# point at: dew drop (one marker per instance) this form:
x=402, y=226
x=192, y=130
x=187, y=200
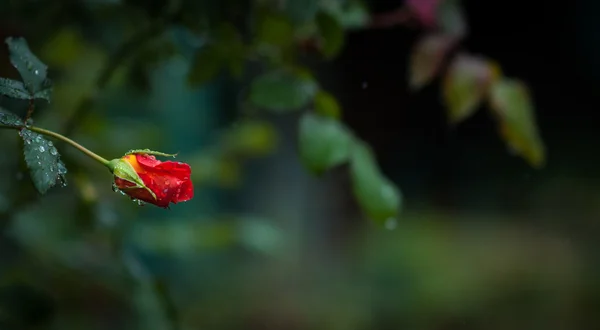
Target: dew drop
x=28, y=141
x=53, y=151
x=42, y=149
x=114, y=187
x=165, y=191
x=36, y=72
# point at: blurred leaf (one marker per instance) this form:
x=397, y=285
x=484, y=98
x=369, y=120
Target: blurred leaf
x=378, y=197
x=8, y=118
x=231, y=48
x=14, y=89
x=275, y=30
x=301, y=11
x=425, y=11
x=323, y=142
x=206, y=65
x=63, y=48
x=282, y=90
x=427, y=58
x=512, y=104
x=451, y=18
x=229, y=173
x=351, y=14
x=251, y=137
x=327, y=105
x=332, y=34
x=32, y=70
x=43, y=161
x=227, y=50
x=466, y=84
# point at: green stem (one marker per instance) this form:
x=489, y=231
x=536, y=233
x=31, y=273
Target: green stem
x=63, y=138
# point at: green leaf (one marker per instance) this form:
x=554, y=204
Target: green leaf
x=43, y=161
x=352, y=14
x=231, y=48
x=427, y=58
x=14, y=89
x=275, y=30
x=324, y=142
x=451, y=18
x=332, y=34
x=301, y=11
x=326, y=105
x=512, y=105
x=206, y=65
x=282, y=90
x=8, y=118
x=32, y=70
x=379, y=198
x=466, y=83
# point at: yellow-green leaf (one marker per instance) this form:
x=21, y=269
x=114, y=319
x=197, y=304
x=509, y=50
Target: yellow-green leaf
x=331, y=33
x=466, y=84
x=326, y=105
x=511, y=102
x=275, y=30
x=427, y=57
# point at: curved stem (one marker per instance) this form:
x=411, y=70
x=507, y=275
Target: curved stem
x=63, y=138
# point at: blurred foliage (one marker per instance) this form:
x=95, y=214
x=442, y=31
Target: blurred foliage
x=81, y=258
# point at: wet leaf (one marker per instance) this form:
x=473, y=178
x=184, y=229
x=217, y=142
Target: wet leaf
x=282, y=90
x=206, y=66
x=378, y=197
x=323, y=142
x=326, y=105
x=14, y=89
x=427, y=58
x=332, y=34
x=8, y=118
x=466, y=84
x=43, y=161
x=32, y=70
x=511, y=102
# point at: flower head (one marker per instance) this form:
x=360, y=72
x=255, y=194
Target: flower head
x=141, y=176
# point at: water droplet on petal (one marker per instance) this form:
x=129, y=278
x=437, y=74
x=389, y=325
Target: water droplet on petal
x=42, y=149
x=167, y=182
x=165, y=191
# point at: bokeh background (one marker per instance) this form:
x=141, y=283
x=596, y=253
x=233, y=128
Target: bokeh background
x=483, y=241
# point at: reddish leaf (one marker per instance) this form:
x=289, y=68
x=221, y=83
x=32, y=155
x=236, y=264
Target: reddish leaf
x=425, y=11
x=466, y=84
x=511, y=102
x=427, y=58
x=444, y=15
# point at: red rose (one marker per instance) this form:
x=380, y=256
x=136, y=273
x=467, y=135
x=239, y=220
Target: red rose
x=143, y=177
